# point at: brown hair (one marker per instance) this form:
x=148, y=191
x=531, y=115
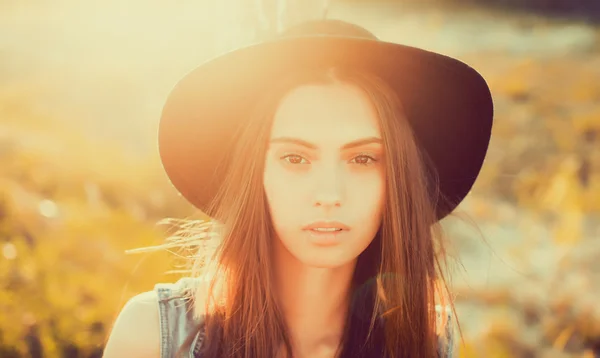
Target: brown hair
x=397, y=280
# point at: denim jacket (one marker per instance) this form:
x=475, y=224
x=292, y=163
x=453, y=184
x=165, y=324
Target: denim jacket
x=177, y=321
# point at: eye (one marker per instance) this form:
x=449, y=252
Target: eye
x=363, y=159
x=294, y=159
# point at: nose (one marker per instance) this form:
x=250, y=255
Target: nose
x=329, y=188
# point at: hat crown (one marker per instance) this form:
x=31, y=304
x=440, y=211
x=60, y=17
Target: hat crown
x=328, y=27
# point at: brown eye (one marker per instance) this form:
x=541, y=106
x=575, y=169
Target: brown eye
x=363, y=160
x=294, y=159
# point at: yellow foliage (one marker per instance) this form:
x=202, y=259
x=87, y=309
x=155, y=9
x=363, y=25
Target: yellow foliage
x=64, y=271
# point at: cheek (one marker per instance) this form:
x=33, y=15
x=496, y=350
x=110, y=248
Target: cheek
x=367, y=186
x=367, y=197
x=280, y=197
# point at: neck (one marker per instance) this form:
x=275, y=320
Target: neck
x=314, y=302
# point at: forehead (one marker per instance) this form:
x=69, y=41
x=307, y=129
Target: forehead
x=326, y=114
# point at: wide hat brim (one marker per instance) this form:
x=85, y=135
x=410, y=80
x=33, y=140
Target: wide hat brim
x=448, y=104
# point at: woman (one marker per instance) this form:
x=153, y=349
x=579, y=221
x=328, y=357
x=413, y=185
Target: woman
x=326, y=159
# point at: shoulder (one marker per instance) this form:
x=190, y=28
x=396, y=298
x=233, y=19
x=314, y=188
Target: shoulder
x=136, y=331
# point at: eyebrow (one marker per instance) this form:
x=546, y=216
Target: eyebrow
x=353, y=144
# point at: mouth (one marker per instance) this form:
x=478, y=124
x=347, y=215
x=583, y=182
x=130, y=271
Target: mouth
x=326, y=227
x=326, y=233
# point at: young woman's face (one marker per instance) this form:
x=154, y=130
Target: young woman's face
x=324, y=174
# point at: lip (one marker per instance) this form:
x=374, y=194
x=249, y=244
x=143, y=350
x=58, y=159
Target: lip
x=327, y=224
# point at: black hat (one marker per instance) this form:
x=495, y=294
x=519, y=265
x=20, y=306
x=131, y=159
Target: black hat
x=447, y=103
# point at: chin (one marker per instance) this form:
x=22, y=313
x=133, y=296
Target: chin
x=326, y=260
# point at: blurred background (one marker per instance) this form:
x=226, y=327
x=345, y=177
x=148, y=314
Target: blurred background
x=81, y=88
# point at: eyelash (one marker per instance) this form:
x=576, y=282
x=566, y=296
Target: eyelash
x=369, y=157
